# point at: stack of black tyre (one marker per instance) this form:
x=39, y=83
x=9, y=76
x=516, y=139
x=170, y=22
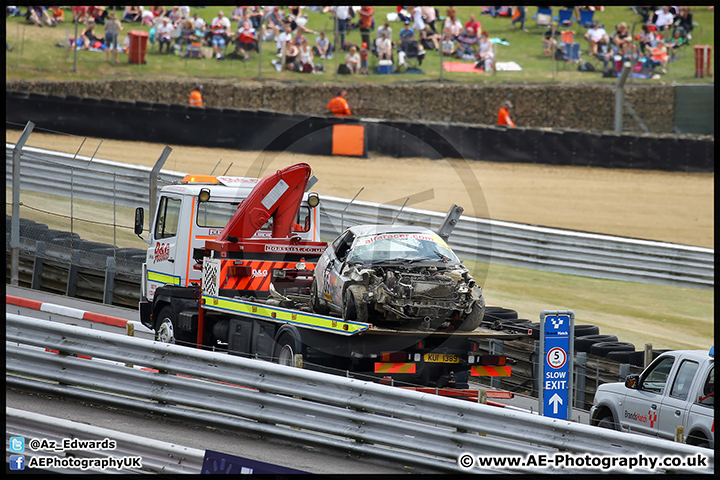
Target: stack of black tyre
x=587, y=337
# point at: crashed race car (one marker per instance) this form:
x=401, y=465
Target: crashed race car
x=397, y=277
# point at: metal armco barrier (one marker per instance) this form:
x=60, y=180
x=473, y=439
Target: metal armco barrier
x=295, y=404
x=527, y=246
x=157, y=456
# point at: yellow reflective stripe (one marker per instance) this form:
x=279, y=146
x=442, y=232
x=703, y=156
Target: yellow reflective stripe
x=318, y=322
x=162, y=278
x=490, y=371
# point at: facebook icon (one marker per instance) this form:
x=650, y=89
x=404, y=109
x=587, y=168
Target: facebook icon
x=17, y=462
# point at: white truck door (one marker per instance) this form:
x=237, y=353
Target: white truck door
x=674, y=409
x=642, y=406
x=162, y=269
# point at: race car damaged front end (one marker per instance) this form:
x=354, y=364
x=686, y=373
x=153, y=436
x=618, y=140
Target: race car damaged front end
x=420, y=297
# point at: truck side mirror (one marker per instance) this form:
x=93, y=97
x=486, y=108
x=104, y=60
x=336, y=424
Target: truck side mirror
x=631, y=381
x=139, y=220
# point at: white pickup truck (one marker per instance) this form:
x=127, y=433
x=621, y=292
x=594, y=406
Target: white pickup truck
x=676, y=390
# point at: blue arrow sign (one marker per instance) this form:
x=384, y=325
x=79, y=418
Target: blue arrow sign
x=556, y=330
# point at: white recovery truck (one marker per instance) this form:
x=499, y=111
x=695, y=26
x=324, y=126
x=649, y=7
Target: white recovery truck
x=230, y=265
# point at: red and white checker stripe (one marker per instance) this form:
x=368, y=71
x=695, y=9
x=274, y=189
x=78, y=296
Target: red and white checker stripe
x=73, y=313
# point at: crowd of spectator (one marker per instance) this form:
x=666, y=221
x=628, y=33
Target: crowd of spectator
x=662, y=32
x=422, y=29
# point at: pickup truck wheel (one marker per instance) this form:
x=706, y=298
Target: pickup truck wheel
x=607, y=422
x=353, y=307
x=473, y=319
x=316, y=304
x=166, y=330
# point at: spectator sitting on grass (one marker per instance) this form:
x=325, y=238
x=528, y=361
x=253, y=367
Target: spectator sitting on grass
x=158, y=11
x=646, y=39
x=132, y=14
x=254, y=15
x=305, y=56
x=383, y=45
x=291, y=54
x=485, y=52
x=238, y=15
x=659, y=56
x=429, y=39
x=247, y=40
x=352, y=60
x=474, y=24
x=163, y=35
x=550, y=42
x=620, y=36
x=663, y=18
x=430, y=17
x=88, y=38
x=385, y=28
x=604, y=51
x=594, y=34
x=39, y=16
x=323, y=47
x=283, y=38
x=448, y=46
x=188, y=33
x=220, y=27
x=271, y=28
x=467, y=42
x=405, y=35
x=98, y=14
x=175, y=16
x=57, y=15
x=199, y=24
x=147, y=17
x=454, y=25
x=684, y=22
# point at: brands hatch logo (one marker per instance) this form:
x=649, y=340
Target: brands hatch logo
x=556, y=322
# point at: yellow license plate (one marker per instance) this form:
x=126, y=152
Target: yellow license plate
x=441, y=358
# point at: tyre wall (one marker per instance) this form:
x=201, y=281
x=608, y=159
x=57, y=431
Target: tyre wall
x=257, y=130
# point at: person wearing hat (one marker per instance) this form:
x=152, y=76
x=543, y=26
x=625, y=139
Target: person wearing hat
x=364, y=53
x=339, y=105
x=504, y=114
x=196, y=99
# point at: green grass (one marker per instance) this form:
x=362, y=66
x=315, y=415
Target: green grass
x=665, y=316
x=35, y=56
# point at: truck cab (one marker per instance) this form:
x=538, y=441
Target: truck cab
x=673, y=398
x=196, y=210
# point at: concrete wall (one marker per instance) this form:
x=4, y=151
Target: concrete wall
x=584, y=107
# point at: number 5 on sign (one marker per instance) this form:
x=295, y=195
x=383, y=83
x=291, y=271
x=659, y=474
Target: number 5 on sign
x=556, y=344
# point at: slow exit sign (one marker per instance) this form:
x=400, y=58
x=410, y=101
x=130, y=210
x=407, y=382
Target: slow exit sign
x=556, y=346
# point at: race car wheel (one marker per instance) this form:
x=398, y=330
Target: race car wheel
x=474, y=318
x=316, y=304
x=353, y=307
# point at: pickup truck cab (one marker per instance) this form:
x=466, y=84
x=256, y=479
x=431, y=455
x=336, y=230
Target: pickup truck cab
x=676, y=390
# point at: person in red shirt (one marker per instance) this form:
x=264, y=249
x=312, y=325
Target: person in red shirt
x=504, y=115
x=339, y=105
x=474, y=24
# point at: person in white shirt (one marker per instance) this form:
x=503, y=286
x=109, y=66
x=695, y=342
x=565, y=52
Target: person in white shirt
x=283, y=38
x=342, y=14
x=162, y=34
x=220, y=28
x=352, y=60
x=594, y=35
x=384, y=47
x=418, y=22
x=322, y=48
x=199, y=23
x=664, y=18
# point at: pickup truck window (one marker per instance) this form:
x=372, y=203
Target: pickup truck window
x=657, y=377
x=708, y=391
x=683, y=380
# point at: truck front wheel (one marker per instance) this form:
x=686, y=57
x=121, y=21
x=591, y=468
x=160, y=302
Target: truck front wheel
x=607, y=422
x=166, y=330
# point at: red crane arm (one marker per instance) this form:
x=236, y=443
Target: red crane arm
x=278, y=196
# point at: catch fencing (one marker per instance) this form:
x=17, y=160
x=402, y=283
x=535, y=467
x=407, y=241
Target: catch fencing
x=300, y=406
x=62, y=178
